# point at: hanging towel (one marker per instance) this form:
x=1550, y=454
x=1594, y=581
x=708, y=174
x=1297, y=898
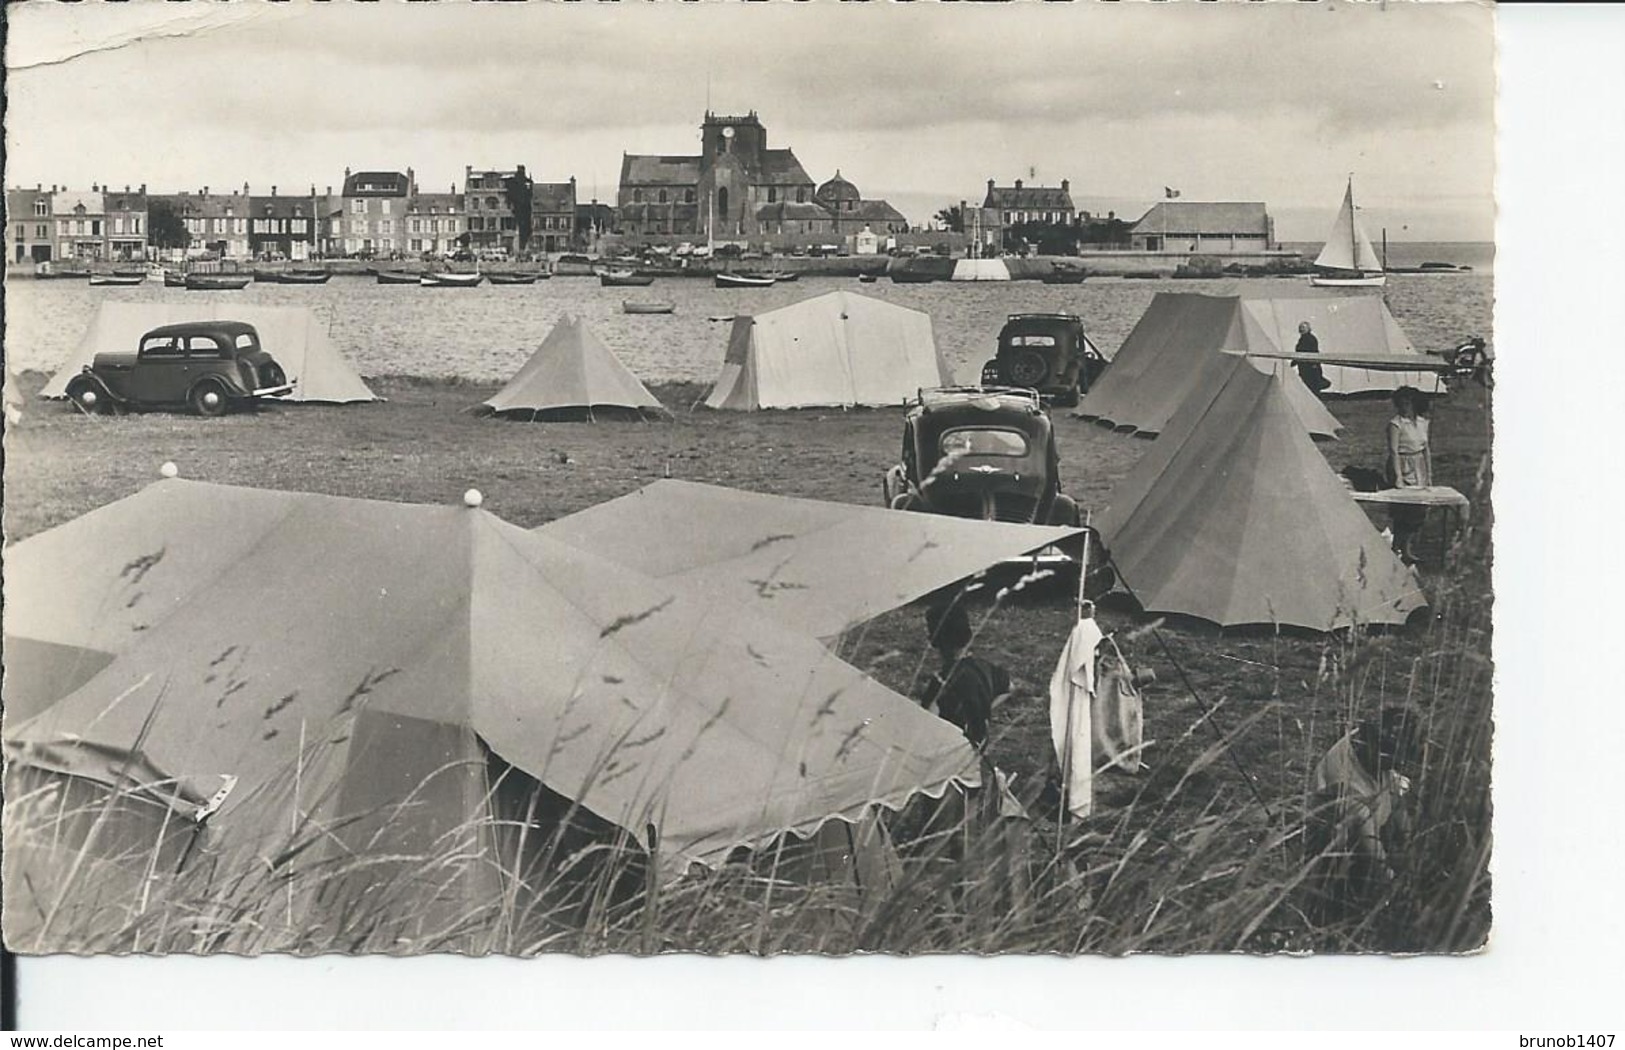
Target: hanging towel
x=1072, y=686
x=1117, y=714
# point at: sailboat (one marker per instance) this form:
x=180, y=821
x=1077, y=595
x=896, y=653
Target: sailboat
x=1348, y=260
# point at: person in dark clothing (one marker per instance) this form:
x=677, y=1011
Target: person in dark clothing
x=965, y=688
x=1311, y=375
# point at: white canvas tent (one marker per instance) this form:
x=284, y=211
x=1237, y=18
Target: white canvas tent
x=572, y=372
x=1343, y=325
x=294, y=335
x=833, y=349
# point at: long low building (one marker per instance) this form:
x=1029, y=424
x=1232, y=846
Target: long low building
x=1211, y=227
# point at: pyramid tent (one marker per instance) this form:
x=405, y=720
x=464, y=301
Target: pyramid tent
x=1234, y=516
x=374, y=659
x=833, y=349
x=817, y=567
x=294, y=335
x=1163, y=360
x=572, y=372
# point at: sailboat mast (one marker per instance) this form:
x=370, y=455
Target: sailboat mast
x=1354, y=228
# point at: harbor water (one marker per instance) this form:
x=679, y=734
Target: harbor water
x=484, y=334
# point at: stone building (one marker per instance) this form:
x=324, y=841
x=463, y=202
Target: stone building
x=1007, y=206
x=491, y=221
x=30, y=229
x=81, y=224
x=850, y=212
x=216, y=223
x=436, y=223
x=126, y=223
x=553, y=216
x=283, y=226
x=374, y=204
x=1204, y=227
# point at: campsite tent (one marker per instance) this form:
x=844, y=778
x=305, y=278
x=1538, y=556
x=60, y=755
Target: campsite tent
x=294, y=335
x=358, y=667
x=1151, y=373
x=1170, y=353
x=815, y=566
x=13, y=397
x=981, y=270
x=833, y=349
x=1234, y=516
x=571, y=374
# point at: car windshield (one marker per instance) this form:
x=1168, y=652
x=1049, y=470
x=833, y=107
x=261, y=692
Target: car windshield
x=1032, y=340
x=980, y=442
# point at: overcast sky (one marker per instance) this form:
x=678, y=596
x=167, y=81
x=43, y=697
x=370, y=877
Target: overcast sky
x=920, y=103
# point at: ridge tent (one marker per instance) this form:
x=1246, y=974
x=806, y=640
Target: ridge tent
x=1170, y=353
x=1234, y=516
x=356, y=668
x=817, y=567
x=833, y=349
x=1354, y=325
x=294, y=335
x=571, y=374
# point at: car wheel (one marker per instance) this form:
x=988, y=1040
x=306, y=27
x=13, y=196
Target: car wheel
x=89, y=397
x=209, y=398
x=1028, y=369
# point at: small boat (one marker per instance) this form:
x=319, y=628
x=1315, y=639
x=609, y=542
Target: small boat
x=216, y=282
x=1348, y=260
x=303, y=277
x=1065, y=275
x=783, y=276
x=267, y=276
x=624, y=279
x=117, y=279
x=868, y=278
x=451, y=280
x=630, y=306
x=742, y=280
x=912, y=276
x=395, y=277
x=513, y=278
x=174, y=279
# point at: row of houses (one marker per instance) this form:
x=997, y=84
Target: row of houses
x=376, y=213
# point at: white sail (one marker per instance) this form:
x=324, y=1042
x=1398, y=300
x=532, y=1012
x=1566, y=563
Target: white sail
x=1347, y=246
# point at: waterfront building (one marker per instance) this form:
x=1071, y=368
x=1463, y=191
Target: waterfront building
x=729, y=191
x=849, y=212
x=30, y=229
x=553, y=216
x=374, y=205
x=1204, y=227
x=216, y=223
x=126, y=223
x=1006, y=206
x=283, y=227
x=491, y=221
x=436, y=223
x=81, y=224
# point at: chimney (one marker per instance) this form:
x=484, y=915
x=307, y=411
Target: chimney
x=205, y=191
x=143, y=187
x=126, y=187
x=95, y=188
x=330, y=191
x=273, y=189
x=1066, y=185
x=990, y=187
x=411, y=183
x=346, y=171
x=245, y=189
x=1018, y=184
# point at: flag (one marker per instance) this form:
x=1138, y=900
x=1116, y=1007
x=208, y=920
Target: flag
x=1169, y=192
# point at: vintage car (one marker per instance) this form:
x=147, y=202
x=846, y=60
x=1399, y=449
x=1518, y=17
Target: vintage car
x=989, y=453
x=1048, y=353
x=209, y=367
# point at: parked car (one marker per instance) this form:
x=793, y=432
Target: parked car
x=990, y=453
x=1049, y=353
x=209, y=367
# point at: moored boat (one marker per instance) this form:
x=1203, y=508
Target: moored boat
x=630, y=306
x=395, y=277
x=216, y=282
x=1065, y=275
x=513, y=278
x=451, y=280
x=117, y=279
x=742, y=280
x=303, y=277
x=624, y=279
x=174, y=279
x=783, y=276
x=868, y=278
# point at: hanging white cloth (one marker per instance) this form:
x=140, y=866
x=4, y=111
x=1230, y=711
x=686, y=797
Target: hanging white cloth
x=1118, y=715
x=1071, y=692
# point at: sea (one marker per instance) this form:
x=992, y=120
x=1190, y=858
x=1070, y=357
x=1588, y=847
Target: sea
x=484, y=334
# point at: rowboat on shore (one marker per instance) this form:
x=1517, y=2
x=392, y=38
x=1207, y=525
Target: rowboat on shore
x=303, y=277
x=451, y=280
x=630, y=306
x=117, y=279
x=1065, y=275
x=624, y=279
x=741, y=280
x=215, y=282
x=395, y=277
x=174, y=279
x=783, y=276
x=513, y=278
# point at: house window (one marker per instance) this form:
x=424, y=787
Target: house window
x=637, y=196
x=662, y=196
x=772, y=195
x=358, y=207
x=801, y=195
x=384, y=205
x=491, y=203
x=688, y=196
x=42, y=207
x=417, y=227
x=135, y=224
x=42, y=231
x=95, y=227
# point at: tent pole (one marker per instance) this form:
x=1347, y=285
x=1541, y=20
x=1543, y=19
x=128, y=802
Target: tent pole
x=1066, y=741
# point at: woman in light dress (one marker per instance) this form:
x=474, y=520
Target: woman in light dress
x=1410, y=464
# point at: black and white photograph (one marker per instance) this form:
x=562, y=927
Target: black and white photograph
x=749, y=479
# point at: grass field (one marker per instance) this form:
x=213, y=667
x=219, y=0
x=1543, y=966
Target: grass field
x=1200, y=853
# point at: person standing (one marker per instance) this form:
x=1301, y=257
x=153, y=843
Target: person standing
x=1410, y=464
x=1312, y=376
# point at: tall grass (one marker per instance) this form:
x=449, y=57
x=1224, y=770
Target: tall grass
x=1204, y=852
